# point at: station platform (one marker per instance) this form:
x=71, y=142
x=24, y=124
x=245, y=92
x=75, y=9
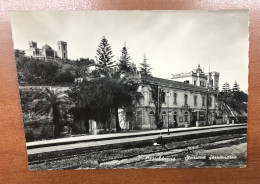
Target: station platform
x=73, y=145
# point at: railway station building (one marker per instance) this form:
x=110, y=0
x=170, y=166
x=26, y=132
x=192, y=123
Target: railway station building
x=188, y=99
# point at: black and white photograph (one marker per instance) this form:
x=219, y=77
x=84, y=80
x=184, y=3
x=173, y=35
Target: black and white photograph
x=133, y=89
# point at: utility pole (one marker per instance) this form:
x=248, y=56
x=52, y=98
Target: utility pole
x=207, y=107
x=158, y=113
x=168, y=96
x=158, y=103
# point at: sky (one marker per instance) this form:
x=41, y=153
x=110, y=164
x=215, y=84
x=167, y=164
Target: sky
x=173, y=41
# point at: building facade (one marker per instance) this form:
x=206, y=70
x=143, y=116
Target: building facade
x=198, y=78
x=183, y=103
x=46, y=51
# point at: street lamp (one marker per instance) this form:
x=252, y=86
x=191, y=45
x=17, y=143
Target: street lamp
x=168, y=94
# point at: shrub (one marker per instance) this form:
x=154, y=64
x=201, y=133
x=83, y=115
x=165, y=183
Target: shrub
x=45, y=134
x=29, y=136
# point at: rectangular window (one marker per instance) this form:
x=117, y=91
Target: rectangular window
x=150, y=96
x=195, y=100
x=185, y=99
x=203, y=101
x=163, y=97
x=210, y=101
x=175, y=98
x=195, y=82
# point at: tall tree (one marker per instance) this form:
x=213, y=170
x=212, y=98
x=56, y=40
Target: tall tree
x=235, y=87
x=226, y=87
x=93, y=101
x=52, y=103
x=83, y=66
x=124, y=61
x=157, y=96
x=97, y=98
x=145, y=68
x=104, y=55
x=125, y=94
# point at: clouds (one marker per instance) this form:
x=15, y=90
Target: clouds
x=174, y=41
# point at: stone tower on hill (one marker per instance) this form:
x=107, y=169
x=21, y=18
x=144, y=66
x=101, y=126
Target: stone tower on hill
x=62, y=50
x=46, y=51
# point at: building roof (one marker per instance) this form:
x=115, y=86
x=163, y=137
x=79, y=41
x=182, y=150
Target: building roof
x=175, y=84
x=198, y=70
x=62, y=42
x=47, y=47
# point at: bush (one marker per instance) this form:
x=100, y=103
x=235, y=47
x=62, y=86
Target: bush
x=29, y=136
x=45, y=134
x=32, y=71
x=75, y=129
x=41, y=132
x=65, y=77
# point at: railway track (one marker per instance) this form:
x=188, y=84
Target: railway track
x=164, y=150
x=168, y=153
x=39, y=155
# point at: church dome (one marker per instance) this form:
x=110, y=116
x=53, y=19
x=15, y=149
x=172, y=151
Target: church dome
x=198, y=70
x=46, y=47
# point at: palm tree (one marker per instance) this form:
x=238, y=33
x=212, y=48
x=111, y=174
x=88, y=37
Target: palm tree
x=54, y=102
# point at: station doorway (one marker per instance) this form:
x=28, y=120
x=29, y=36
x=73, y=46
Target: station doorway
x=193, y=119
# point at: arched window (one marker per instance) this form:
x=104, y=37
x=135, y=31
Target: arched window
x=164, y=113
x=203, y=101
x=174, y=98
x=210, y=101
x=175, y=113
x=150, y=96
x=195, y=100
x=185, y=99
x=151, y=113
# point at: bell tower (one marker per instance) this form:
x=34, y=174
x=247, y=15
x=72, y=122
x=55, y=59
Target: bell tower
x=32, y=45
x=215, y=79
x=62, y=50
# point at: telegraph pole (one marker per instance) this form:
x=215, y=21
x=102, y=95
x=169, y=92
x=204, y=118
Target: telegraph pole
x=158, y=113
x=207, y=107
x=168, y=95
